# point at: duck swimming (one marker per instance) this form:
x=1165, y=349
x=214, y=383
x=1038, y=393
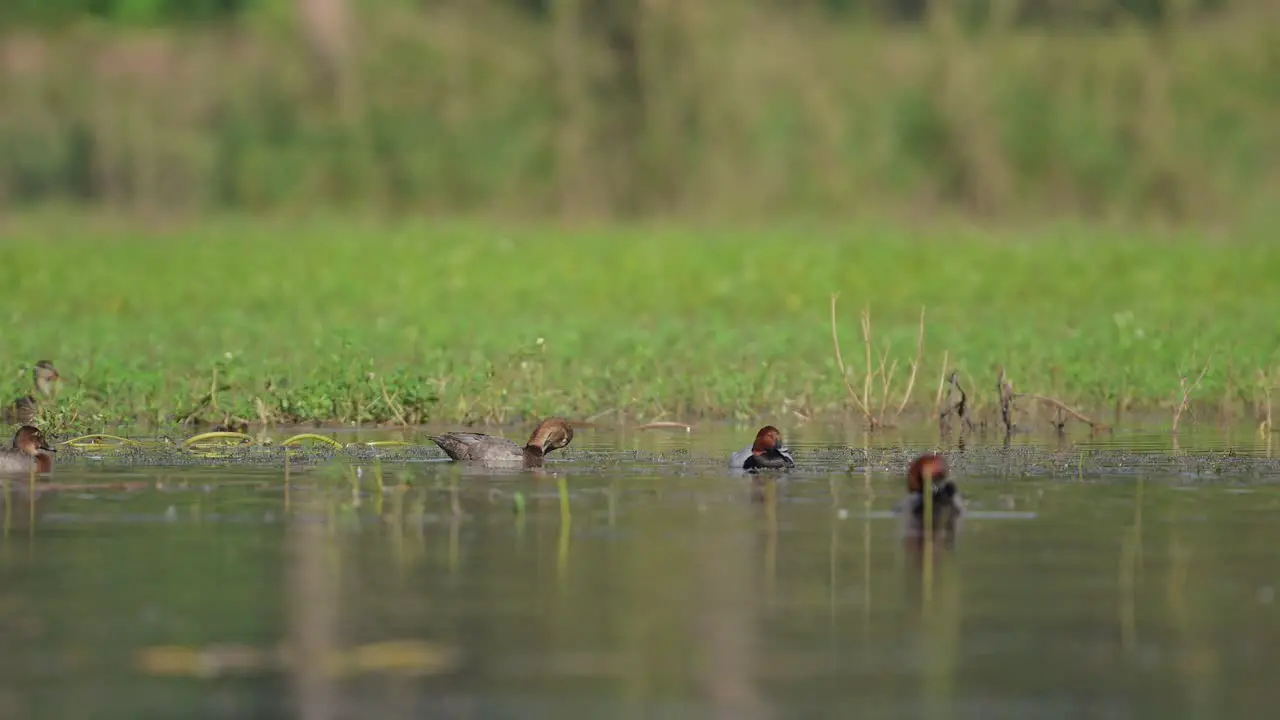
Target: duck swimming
x=29, y=451
x=551, y=434
x=767, y=452
x=931, y=468
x=44, y=376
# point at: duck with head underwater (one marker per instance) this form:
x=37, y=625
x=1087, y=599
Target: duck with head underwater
x=494, y=452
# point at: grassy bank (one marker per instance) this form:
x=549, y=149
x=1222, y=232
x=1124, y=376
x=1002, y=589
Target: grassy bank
x=676, y=109
x=481, y=323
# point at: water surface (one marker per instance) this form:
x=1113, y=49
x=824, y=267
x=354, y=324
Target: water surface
x=1099, y=577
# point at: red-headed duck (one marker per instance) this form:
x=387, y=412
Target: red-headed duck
x=44, y=376
x=767, y=452
x=931, y=469
x=29, y=450
x=551, y=434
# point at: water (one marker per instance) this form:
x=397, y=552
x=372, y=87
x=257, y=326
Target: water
x=1101, y=577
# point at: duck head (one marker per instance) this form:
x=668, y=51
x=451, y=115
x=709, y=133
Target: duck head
x=551, y=434
x=45, y=376
x=30, y=441
x=930, y=469
x=769, y=442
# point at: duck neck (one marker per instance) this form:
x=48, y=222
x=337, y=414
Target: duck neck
x=43, y=462
x=533, y=456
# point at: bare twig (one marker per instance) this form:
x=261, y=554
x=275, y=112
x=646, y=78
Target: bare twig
x=1005, y=389
x=886, y=382
x=1186, y=396
x=1063, y=407
x=263, y=416
x=942, y=382
x=876, y=365
x=600, y=414
x=844, y=375
x=665, y=424
x=1264, y=383
x=391, y=403
x=954, y=405
x=915, y=366
x=866, y=380
x=204, y=402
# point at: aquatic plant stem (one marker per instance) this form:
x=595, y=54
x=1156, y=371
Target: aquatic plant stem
x=566, y=523
x=927, y=541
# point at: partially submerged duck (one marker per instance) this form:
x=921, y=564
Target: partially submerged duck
x=44, y=376
x=927, y=484
x=490, y=451
x=767, y=452
x=29, y=451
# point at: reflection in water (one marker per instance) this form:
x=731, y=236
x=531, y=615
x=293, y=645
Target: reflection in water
x=607, y=588
x=727, y=614
x=313, y=613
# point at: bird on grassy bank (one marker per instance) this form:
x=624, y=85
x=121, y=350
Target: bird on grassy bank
x=44, y=376
x=931, y=469
x=551, y=434
x=29, y=451
x=766, y=453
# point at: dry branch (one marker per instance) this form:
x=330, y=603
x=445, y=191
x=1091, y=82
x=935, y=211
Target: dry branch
x=1005, y=389
x=942, y=382
x=866, y=379
x=665, y=424
x=844, y=374
x=873, y=409
x=391, y=404
x=1186, y=396
x=915, y=367
x=1059, y=405
x=954, y=406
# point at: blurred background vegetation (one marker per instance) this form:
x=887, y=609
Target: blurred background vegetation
x=617, y=109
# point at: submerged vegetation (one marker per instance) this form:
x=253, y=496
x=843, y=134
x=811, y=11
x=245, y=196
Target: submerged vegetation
x=364, y=322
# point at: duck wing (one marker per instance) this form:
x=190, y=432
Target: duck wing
x=472, y=446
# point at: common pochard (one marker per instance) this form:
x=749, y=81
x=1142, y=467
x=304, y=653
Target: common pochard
x=767, y=452
x=930, y=471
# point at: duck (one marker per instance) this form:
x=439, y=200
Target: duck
x=44, y=376
x=29, y=451
x=551, y=434
x=943, y=495
x=766, y=453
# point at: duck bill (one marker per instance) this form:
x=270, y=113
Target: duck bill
x=45, y=446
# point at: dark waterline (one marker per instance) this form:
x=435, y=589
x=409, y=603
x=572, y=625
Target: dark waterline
x=1107, y=577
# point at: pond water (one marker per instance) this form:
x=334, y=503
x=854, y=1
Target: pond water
x=1099, y=577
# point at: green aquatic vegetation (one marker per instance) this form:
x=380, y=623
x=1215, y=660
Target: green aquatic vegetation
x=352, y=321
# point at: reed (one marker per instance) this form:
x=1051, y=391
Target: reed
x=726, y=108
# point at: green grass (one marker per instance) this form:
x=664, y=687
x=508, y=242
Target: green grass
x=306, y=321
